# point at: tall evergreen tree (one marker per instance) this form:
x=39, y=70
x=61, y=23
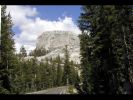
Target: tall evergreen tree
x=73, y=74
x=66, y=71
x=59, y=72
x=122, y=42
x=23, y=52
x=100, y=60
x=7, y=49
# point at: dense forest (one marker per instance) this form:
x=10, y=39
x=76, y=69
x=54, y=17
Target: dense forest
x=19, y=76
x=106, y=49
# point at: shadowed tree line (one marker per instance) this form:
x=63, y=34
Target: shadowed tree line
x=106, y=48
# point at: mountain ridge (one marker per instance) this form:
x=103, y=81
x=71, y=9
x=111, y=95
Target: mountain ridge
x=55, y=42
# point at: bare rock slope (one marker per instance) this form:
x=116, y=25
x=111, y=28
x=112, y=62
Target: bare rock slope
x=55, y=41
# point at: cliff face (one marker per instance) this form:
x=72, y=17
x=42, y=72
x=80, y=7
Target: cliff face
x=55, y=41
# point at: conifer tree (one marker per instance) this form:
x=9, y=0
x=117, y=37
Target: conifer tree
x=23, y=52
x=122, y=42
x=59, y=72
x=101, y=57
x=66, y=71
x=7, y=50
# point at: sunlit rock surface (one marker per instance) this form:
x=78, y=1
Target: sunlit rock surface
x=55, y=41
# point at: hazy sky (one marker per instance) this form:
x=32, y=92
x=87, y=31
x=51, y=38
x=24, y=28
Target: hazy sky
x=31, y=21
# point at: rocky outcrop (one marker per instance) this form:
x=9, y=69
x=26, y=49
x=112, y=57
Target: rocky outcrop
x=55, y=41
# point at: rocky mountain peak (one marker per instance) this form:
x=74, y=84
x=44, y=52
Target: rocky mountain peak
x=55, y=41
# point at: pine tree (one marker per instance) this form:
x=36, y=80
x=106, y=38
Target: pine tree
x=59, y=72
x=38, y=52
x=23, y=51
x=34, y=72
x=122, y=42
x=73, y=74
x=66, y=71
x=7, y=49
x=48, y=79
x=53, y=73
x=103, y=63
x=16, y=76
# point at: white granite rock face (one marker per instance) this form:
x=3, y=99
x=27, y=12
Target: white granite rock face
x=55, y=42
